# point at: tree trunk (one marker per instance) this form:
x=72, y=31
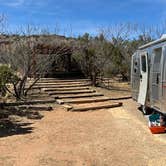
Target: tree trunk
x=93, y=79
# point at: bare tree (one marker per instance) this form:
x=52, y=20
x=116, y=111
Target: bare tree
x=92, y=53
x=3, y=23
x=30, y=56
x=120, y=36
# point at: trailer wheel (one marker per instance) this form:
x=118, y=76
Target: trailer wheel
x=144, y=111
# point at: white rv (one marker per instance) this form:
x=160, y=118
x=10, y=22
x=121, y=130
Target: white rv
x=148, y=75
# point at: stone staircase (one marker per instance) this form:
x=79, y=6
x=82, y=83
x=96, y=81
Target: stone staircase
x=75, y=95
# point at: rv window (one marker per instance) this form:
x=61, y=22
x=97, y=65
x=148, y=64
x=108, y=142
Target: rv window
x=143, y=61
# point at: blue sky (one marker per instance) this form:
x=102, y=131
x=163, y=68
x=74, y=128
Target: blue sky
x=79, y=16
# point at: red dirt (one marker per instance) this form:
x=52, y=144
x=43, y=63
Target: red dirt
x=107, y=137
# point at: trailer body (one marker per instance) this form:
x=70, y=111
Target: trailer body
x=148, y=75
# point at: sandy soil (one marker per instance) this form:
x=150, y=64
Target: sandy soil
x=108, y=137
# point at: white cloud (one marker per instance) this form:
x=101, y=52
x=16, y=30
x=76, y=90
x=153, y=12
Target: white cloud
x=23, y=3
x=14, y=3
x=150, y=1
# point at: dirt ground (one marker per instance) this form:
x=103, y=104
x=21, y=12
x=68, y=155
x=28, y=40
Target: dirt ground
x=108, y=137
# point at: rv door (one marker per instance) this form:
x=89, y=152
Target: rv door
x=143, y=78
x=135, y=75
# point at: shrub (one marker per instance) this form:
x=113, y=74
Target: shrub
x=6, y=76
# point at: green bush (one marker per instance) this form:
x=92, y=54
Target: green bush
x=6, y=76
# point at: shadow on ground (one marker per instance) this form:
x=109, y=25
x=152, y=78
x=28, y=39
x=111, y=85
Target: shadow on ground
x=8, y=128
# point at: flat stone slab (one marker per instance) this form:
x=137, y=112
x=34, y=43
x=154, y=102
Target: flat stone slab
x=29, y=102
x=65, y=89
x=60, y=101
x=77, y=96
x=68, y=107
x=84, y=100
x=96, y=107
x=71, y=92
x=36, y=107
x=121, y=98
x=60, y=80
x=59, y=86
x=60, y=83
x=39, y=95
x=65, y=80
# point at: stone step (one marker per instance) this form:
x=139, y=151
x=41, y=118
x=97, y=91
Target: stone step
x=71, y=92
x=39, y=95
x=83, y=100
x=77, y=96
x=68, y=107
x=121, y=98
x=60, y=86
x=36, y=107
x=104, y=106
x=60, y=83
x=29, y=102
x=65, y=89
x=61, y=80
